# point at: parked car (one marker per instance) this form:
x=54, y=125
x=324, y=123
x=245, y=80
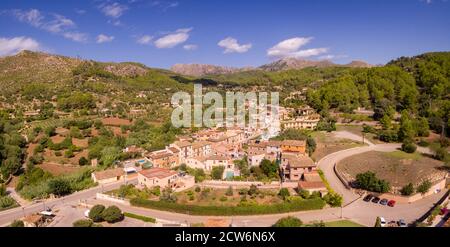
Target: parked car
x=376, y=199
x=384, y=202
x=402, y=223
x=368, y=198
x=391, y=203
x=444, y=211
x=383, y=222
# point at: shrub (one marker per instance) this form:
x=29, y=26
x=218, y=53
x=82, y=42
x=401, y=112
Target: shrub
x=253, y=190
x=369, y=181
x=217, y=172
x=197, y=189
x=284, y=193
x=83, y=223
x=2, y=190
x=95, y=214
x=407, y=190
x=242, y=209
x=424, y=187
x=156, y=191
x=59, y=187
x=140, y=217
x=423, y=143
x=6, y=202
x=440, y=153
x=408, y=147
x=83, y=161
x=68, y=153
x=333, y=199
x=229, y=191
x=289, y=221
x=304, y=194
x=17, y=223
x=58, y=153
x=112, y=214
x=223, y=199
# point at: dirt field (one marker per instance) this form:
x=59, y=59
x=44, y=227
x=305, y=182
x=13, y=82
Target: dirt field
x=57, y=139
x=82, y=143
x=57, y=169
x=327, y=144
x=397, y=167
x=113, y=121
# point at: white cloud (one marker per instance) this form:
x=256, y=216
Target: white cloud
x=332, y=57
x=114, y=10
x=54, y=23
x=102, y=38
x=76, y=36
x=32, y=17
x=58, y=24
x=291, y=48
x=190, y=47
x=231, y=45
x=144, y=40
x=80, y=11
x=17, y=44
x=173, y=39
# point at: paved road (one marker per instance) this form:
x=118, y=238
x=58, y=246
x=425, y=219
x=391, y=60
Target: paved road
x=15, y=213
x=357, y=210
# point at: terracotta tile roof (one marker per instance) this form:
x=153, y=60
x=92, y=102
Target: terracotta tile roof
x=311, y=185
x=293, y=143
x=174, y=150
x=182, y=144
x=274, y=143
x=200, y=144
x=160, y=155
x=157, y=173
x=110, y=173
x=312, y=176
x=300, y=161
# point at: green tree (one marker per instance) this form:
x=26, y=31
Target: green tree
x=284, y=193
x=378, y=222
x=112, y=214
x=289, y=221
x=59, y=187
x=408, y=146
x=424, y=187
x=83, y=223
x=407, y=190
x=95, y=214
x=369, y=181
x=217, y=172
x=17, y=223
x=229, y=191
x=83, y=161
x=269, y=168
x=333, y=199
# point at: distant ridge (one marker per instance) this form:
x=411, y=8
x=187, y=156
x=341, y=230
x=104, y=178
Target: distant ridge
x=279, y=65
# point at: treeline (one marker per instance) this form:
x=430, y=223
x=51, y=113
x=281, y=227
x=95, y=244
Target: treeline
x=12, y=147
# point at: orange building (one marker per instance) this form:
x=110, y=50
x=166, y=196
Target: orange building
x=293, y=146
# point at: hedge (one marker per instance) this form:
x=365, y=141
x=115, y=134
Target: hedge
x=297, y=205
x=140, y=217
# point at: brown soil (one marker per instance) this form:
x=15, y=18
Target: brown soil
x=57, y=169
x=397, y=168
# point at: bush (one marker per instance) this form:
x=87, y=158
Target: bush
x=423, y=143
x=333, y=199
x=223, y=199
x=95, y=214
x=304, y=194
x=229, y=191
x=289, y=221
x=83, y=223
x=217, y=172
x=253, y=209
x=197, y=189
x=408, y=147
x=2, y=190
x=424, y=187
x=140, y=217
x=284, y=193
x=440, y=153
x=407, y=190
x=17, y=223
x=112, y=214
x=83, y=161
x=253, y=190
x=369, y=181
x=59, y=187
x=6, y=202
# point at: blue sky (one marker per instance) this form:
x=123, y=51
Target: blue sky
x=160, y=33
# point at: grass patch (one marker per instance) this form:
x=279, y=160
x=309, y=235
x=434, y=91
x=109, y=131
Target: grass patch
x=403, y=155
x=284, y=207
x=342, y=223
x=140, y=217
x=325, y=181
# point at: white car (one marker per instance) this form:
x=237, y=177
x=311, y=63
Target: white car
x=86, y=213
x=383, y=222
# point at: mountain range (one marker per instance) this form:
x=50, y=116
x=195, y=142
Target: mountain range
x=279, y=65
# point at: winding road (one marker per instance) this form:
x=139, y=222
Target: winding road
x=354, y=208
